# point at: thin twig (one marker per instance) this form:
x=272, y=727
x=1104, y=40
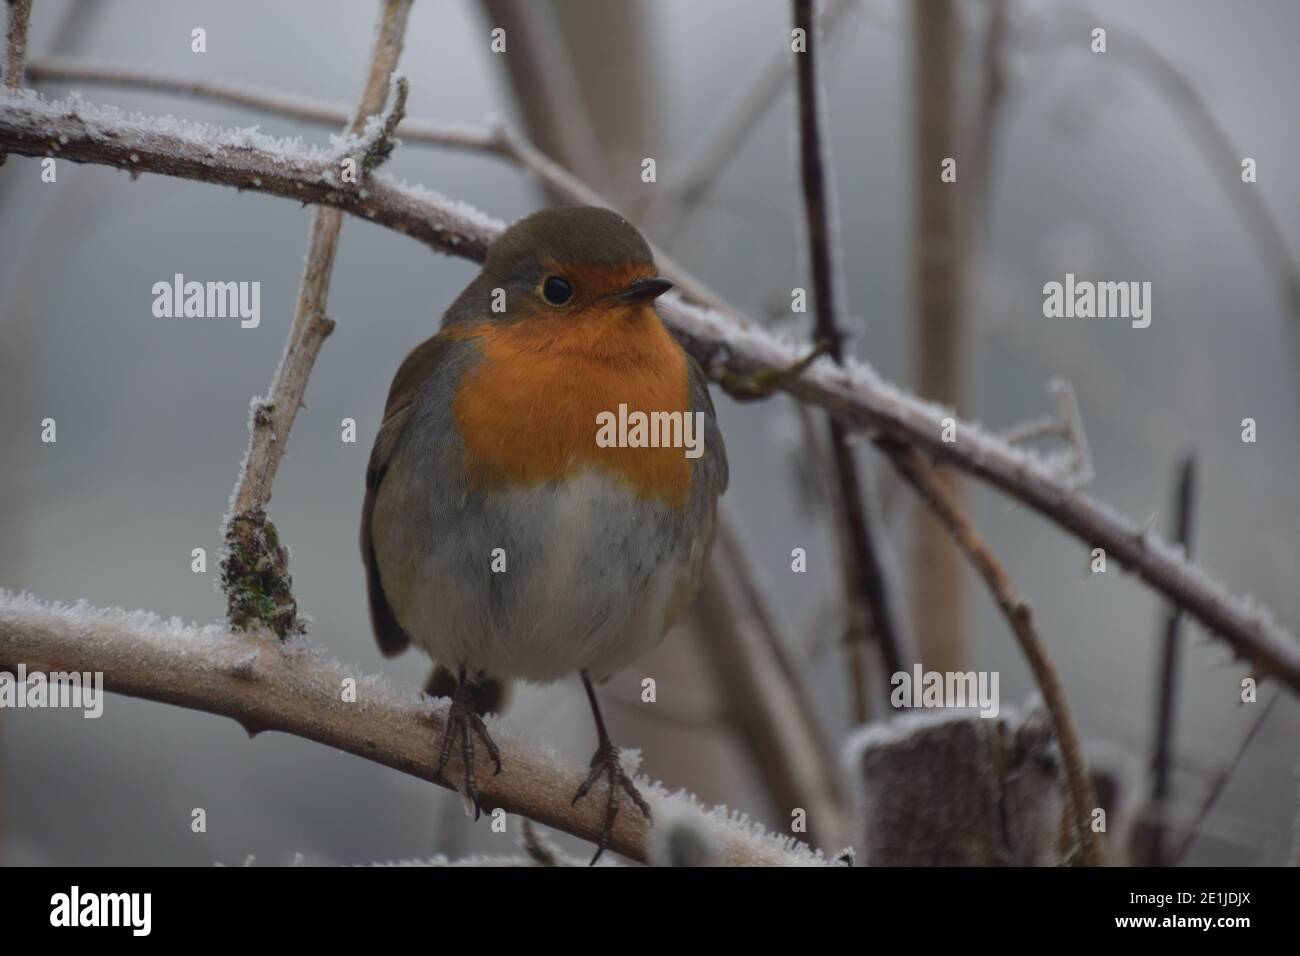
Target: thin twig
x=20, y=13
x=1019, y=615
x=722, y=343
x=1220, y=784
x=1066, y=424
x=252, y=598
x=499, y=139
x=1166, y=695
x=1223, y=827
x=295, y=688
x=543, y=76
x=1223, y=156
x=864, y=574
x=1189, y=107
x=699, y=171
x=982, y=133
x=1045, y=426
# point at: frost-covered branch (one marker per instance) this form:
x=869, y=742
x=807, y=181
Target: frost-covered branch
x=54, y=68
x=723, y=343
x=293, y=687
x=254, y=568
x=1020, y=616
x=497, y=139
x=860, y=397
x=1067, y=424
x=376, y=140
x=75, y=130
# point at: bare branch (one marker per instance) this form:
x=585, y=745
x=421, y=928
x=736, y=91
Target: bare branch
x=74, y=130
x=864, y=572
x=252, y=552
x=710, y=152
x=294, y=688
x=941, y=253
x=981, y=133
x=295, y=106
x=1196, y=827
x=20, y=13
x=1020, y=616
x=544, y=78
x=1153, y=852
x=722, y=343
x=1223, y=156
x=499, y=140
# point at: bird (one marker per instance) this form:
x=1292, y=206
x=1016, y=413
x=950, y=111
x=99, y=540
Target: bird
x=502, y=533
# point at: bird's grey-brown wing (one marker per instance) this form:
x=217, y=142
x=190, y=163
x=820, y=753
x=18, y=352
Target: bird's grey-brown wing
x=709, y=480
x=413, y=373
x=714, y=474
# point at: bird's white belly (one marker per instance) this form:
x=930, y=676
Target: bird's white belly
x=585, y=574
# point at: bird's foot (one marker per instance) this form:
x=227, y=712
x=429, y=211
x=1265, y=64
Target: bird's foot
x=465, y=724
x=605, y=762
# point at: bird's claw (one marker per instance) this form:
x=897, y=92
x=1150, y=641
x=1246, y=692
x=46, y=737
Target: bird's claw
x=464, y=723
x=605, y=762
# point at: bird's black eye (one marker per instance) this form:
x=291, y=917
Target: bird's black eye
x=557, y=290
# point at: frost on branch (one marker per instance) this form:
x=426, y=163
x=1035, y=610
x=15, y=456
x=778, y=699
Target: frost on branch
x=377, y=140
x=293, y=687
x=957, y=789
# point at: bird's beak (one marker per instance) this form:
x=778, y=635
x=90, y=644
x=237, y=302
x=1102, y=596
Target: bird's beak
x=643, y=290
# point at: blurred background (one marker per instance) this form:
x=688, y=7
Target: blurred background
x=1092, y=164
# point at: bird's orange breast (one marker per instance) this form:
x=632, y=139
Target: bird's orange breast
x=528, y=411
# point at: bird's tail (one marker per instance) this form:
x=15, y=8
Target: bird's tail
x=490, y=695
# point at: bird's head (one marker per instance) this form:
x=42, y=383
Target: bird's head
x=577, y=260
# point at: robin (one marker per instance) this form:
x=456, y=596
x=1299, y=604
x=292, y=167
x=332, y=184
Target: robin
x=508, y=531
